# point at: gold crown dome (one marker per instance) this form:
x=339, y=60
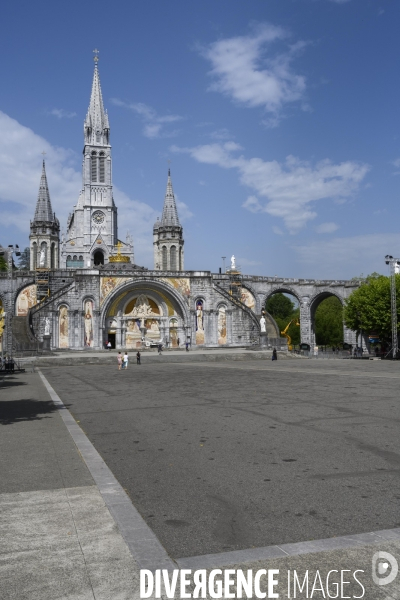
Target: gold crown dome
x=119, y=258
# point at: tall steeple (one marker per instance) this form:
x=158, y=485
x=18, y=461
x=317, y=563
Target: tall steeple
x=170, y=212
x=44, y=238
x=43, y=211
x=168, y=235
x=96, y=126
x=92, y=232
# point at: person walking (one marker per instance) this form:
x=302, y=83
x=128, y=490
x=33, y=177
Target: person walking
x=274, y=354
x=138, y=357
x=109, y=346
x=187, y=346
x=125, y=365
x=179, y=342
x=119, y=360
x=159, y=349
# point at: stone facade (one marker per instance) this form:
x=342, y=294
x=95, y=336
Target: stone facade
x=93, y=295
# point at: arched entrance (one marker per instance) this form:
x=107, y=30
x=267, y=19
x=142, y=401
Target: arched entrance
x=326, y=319
x=283, y=306
x=144, y=314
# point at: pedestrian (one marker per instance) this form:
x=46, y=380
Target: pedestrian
x=125, y=365
x=274, y=354
x=187, y=346
x=119, y=359
x=178, y=340
x=138, y=357
x=159, y=348
x=109, y=345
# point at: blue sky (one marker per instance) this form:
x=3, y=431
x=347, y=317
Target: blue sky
x=280, y=118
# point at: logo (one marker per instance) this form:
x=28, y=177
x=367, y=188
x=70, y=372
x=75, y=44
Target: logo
x=384, y=568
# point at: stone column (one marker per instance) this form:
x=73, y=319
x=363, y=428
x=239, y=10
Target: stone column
x=306, y=333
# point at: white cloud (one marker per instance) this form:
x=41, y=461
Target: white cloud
x=60, y=113
x=153, y=123
x=291, y=188
x=277, y=230
x=245, y=69
x=326, y=228
x=20, y=170
x=396, y=163
x=245, y=262
x=221, y=134
x=347, y=257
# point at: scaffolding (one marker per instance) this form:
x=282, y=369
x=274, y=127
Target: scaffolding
x=42, y=280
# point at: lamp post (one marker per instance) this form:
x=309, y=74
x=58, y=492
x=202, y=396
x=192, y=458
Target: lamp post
x=394, y=264
x=223, y=262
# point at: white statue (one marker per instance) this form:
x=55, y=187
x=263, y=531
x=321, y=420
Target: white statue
x=47, y=326
x=233, y=263
x=263, y=324
x=42, y=258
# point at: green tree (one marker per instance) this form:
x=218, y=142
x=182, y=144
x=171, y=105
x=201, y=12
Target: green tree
x=280, y=306
x=283, y=310
x=368, y=308
x=3, y=263
x=24, y=262
x=328, y=323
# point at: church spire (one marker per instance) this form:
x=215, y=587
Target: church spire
x=170, y=212
x=97, y=128
x=43, y=211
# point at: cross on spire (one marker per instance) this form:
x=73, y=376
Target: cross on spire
x=96, y=52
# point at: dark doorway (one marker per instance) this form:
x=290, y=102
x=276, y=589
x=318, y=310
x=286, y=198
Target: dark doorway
x=111, y=339
x=98, y=258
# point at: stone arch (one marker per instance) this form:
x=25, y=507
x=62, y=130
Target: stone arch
x=283, y=289
x=171, y=301
x=314, y=302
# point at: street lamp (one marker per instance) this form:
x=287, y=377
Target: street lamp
x=223, y=259
x=394, y=265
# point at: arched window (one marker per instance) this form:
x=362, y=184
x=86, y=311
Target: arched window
x=75, y=257
x=180, y=259
x=164, y=257
x=53, y=256
x=93, y=166
x=102, y=167
x=98, y=258
x=173, y=258
x=43, y=255
x=34, y=255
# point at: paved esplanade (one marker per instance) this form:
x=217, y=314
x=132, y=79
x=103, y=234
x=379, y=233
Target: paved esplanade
x=237, y=461
x=225, y=457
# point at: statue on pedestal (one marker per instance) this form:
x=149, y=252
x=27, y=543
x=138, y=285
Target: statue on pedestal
x=263, y=324
x=233, y=263
x=47, y=326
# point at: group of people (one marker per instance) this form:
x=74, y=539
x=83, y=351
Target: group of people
x=124, y=360
x=7, y=364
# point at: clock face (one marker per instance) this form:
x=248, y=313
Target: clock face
x=98, y=217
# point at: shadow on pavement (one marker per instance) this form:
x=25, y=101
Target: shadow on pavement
x=9, y=381
x=15, y=411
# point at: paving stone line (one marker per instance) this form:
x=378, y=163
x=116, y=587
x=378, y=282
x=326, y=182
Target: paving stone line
x=142, y=542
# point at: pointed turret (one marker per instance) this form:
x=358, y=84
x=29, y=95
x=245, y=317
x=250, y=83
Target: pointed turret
x=45, y=230
x=96, y=127
x=168, y=235
x=170, y=212
x=43, y=211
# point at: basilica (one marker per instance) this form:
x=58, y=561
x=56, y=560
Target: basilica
x=84, y=289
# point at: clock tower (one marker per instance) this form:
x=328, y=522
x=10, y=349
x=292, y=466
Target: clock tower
x=92, y=233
